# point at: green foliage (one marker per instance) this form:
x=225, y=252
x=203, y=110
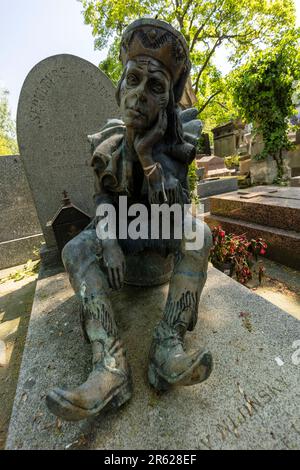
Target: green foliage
x=238, y=28
x=200, y=148
x=31, y=268
x=221, y=108
x=232, y=161
x=263, y=91
x=8, y=144
x=110, y=66
x=192, y=176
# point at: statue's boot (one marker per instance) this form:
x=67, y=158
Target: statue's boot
x=109, y=382
x=169, y=364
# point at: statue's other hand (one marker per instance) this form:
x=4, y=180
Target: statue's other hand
x=114, y=261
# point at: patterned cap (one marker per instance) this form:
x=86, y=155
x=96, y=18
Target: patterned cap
x=158, y=39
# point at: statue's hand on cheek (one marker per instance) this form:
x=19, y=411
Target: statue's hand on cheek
x=114, y=261
x=144, y=143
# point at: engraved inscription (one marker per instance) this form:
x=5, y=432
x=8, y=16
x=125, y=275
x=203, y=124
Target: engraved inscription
x=41, y=92
x=231, y=423
x=92, y=83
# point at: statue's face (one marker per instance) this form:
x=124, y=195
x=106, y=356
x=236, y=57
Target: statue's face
x=144, y=92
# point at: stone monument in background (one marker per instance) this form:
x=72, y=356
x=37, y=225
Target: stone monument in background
x=63, y=99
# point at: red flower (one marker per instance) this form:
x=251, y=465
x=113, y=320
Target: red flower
x=222, y=233
x=262, y=251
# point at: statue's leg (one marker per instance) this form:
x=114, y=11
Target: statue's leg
x=110, y=379
x=169, y=363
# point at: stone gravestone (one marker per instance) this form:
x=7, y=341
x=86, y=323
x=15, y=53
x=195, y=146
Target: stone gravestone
x=20, y=231
x=227, y=138
x=64, y=98
x=214, y=166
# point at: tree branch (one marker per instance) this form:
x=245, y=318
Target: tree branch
x=211, y=53
x=192, y=20
x=222, y=105
x=188, y=4
x=208, y=101
x=198, y=32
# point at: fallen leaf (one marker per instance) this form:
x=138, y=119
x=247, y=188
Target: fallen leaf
x=58, y=424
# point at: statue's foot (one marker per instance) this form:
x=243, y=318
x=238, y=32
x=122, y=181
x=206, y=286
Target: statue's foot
x=75, y=406
x=170, y=365
x=109, y=383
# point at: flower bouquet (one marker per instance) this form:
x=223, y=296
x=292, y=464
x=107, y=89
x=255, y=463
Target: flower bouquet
x=232, y=253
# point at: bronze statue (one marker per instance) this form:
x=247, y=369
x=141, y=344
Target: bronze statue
x=145, y=157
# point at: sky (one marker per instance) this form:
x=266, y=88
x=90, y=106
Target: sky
x=32, y=30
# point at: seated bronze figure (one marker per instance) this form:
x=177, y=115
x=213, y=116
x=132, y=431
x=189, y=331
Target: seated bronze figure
x=145, y=157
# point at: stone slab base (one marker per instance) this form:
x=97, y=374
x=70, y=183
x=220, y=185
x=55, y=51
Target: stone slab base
x=279, y=209
x=283, y=245
x=205, y=201
x=20, y=250
x=249, y=402
x=219, y=186
x=50, y=257
x=295, y=182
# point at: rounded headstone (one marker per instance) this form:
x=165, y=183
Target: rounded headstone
x=64, y=99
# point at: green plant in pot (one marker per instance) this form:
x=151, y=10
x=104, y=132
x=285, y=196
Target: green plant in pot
x=235, y=254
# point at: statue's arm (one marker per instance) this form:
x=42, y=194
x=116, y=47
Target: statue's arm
x=113, y=256
x=164, y=172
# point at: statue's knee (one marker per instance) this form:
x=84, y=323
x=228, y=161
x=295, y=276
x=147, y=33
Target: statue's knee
x=66, y=255
x=207, y=237
x=70, y=253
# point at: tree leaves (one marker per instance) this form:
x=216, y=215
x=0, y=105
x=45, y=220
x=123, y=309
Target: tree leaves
x=8, y=143
x=263, y=90
x=238, y=28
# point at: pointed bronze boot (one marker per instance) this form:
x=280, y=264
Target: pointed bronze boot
x=170, y=365
x=110, y=380
x=109, y=383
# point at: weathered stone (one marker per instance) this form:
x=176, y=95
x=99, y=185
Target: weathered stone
x=200, y=173
x=64, y=98
x=249, y=402
x=204, y=144
x=263, y=172
x=3, y=358
x=293, y=158
x=216, y=186
x=20, y=231
x=18, y=216
x=245, y=166
x=212, y=165
x=227, y=138
x=273, y=214
x=257, y=144
x=280, y=208
x=295, y=182
x=19, y=251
